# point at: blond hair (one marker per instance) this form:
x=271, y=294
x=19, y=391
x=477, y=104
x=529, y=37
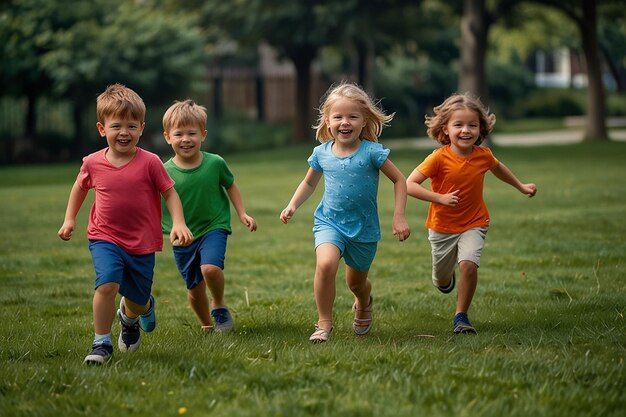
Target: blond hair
x=119, y=100
x=374, y=116
x=435, y=124
x=185, y=113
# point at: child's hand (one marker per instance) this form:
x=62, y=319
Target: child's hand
x=65, y=232
x=180, y=236
x=529, y=189
x=400, y=228
x=450, y=199
x=249, y=222
x=287, y=214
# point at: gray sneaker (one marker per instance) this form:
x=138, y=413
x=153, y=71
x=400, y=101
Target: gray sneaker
x=130, y=338
x=223, y=320
x=99, y=355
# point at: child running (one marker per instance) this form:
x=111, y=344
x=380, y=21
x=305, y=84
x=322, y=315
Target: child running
x=205, y=185
x=346, y=221
x=458, y=219
x=124, y=228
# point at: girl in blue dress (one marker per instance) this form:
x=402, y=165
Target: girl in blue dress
x=346, y=223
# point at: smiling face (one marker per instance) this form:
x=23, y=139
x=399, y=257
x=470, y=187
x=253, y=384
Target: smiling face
x=345, y=121
x=463, y=129
x=186, y=142
x=122, y=135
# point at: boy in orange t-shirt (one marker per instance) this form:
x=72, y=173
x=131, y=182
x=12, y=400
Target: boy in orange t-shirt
x=458, y=218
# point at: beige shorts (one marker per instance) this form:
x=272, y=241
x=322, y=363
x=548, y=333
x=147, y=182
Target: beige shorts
x=448, y=249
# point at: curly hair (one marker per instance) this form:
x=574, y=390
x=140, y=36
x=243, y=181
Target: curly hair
x=435, y=124
x=375, y=117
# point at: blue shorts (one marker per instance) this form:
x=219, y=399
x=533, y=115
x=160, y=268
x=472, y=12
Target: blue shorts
x=357, y=255
x=133, y=273
x=208, y=249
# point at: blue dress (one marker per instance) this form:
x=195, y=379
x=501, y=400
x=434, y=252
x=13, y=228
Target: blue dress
x=349, y=204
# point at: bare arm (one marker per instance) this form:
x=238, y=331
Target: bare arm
x=237, y=201
x=416, y=189
x=400, y=227
x=77, y=197
x=504, y=174
x=180, y=232
x=302, y=193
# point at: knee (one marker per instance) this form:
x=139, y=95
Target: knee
x=210, y=272
x=326, y=268
x=468, y=268
x=108, y=290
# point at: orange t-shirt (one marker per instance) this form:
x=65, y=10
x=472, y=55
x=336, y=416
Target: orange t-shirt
x=449, y=172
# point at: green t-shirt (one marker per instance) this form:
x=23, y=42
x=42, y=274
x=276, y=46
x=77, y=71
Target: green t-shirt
x=202, y=191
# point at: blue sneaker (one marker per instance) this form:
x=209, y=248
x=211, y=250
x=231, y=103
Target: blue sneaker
x=100, y=354
x=147, y=321
x=223, y=320
x=462, y=324
x=448, y=288
x=130, y=337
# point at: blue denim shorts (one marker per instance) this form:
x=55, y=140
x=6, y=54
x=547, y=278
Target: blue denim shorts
x=133, y=273
x=208, y=249
x=357, y=255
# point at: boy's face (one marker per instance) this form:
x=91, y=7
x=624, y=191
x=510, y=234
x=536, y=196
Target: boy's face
x=186, y=141
x=122, y=134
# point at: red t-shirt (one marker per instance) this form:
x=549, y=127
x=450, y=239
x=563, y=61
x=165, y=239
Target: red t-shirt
x=127, y=208
x=449, y=172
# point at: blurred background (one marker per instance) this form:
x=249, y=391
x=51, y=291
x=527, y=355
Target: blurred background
x=261, y=66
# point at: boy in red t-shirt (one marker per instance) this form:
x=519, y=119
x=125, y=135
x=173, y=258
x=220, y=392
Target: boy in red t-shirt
x=458, y=218
x=124, y=228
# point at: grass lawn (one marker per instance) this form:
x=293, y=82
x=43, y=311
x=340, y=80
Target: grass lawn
x=549, y=308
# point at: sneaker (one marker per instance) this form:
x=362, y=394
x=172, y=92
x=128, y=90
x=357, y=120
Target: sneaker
x=129, y=336
x=147, y=321
x=448, y=288
x=223, y=320
x=99, y=355
x=462, y=324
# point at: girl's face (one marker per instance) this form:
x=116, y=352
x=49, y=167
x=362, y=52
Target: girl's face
x=345, y=121
x=463, y=129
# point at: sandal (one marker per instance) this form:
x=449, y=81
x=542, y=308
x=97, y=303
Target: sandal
x=363, y=326
x=320, y=335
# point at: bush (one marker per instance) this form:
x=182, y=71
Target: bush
x=552, y=102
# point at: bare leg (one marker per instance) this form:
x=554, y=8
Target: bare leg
x=133, y=310
x=104, y=307
x=327, y=256
x=199, y=303
x=214, y=278
x=361, y=287
x=466, y=286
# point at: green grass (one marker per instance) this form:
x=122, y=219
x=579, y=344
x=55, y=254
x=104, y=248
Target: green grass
x=549, y=307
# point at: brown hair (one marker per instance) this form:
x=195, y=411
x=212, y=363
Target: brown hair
x=184, y=113
x=119, y=100
x=435, y=124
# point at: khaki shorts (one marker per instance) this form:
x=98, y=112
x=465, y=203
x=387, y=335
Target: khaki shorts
x=448, y=249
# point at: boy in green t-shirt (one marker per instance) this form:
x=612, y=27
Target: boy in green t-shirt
x=205, y=185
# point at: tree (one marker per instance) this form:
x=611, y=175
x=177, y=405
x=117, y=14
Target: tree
x=475, y=24
x=584, y=14
x=157, y=55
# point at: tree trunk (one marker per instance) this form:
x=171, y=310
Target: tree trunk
x=595, y=128
x=365, y=65
x=303, y=120
x=473, y=46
